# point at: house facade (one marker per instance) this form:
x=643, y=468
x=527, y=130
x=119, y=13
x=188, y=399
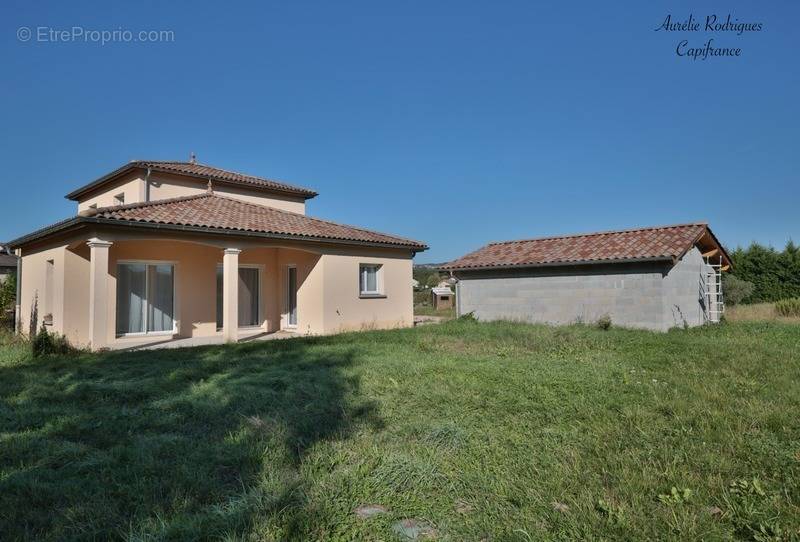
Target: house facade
x=652, y=278
x=162, y=250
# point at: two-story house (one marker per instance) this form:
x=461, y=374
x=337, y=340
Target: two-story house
x=162, y=250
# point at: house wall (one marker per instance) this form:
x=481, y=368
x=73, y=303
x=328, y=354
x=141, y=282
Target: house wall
x=164, y=186
x=345, y=310
x=132, y=185
x=684, y=285
x=34, y=289
x=631, y=294
x=310, y=289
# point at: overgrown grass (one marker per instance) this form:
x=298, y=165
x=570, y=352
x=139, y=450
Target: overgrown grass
x=481, y=431
x=757, y=312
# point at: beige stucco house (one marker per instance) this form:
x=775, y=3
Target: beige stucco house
x=162, y=250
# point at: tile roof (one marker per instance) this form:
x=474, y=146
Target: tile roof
x=201, y=171
x=662, y=242
x=217, y=212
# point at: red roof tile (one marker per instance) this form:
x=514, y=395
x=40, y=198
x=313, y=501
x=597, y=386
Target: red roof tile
x=664, y=242
x=223, y=213
x=201, y=171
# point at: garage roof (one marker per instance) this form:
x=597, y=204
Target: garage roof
x=642, y=244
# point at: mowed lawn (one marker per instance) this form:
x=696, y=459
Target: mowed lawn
x=476, y=431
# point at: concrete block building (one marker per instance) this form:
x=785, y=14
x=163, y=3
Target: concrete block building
x=652, y=278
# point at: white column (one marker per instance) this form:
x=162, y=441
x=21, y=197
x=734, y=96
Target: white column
x=230, y=295
x=98, y=293
x=18, y=302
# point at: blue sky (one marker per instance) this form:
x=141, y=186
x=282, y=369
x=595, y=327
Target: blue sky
x=456, y=123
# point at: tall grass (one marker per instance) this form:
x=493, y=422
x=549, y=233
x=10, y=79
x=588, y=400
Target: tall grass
x=758, y=312
x=788, y=307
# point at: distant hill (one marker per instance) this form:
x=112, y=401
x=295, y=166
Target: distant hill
x=428, y=265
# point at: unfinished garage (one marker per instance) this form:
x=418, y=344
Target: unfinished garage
x=652, y=278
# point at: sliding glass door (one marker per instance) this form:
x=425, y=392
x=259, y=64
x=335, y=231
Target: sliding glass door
x=249, y=297
x=145, y=298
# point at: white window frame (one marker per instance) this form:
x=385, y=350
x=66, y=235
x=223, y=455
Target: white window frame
x=259, y=316
x=362, y=280
x=145, y=306
x=287, y=294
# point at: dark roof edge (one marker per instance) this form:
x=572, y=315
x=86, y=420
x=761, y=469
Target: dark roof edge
x=304, y=193
x=79, y=220
x=563, y=263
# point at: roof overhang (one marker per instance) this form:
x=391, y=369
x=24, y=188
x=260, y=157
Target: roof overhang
x=75, y=195
x=712, y=249
x=81, y=221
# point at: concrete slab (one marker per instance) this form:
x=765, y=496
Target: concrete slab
x=157, y=343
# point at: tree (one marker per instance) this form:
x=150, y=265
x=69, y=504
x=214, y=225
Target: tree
x=774, y=275
x=433, y=280
x=736, y=290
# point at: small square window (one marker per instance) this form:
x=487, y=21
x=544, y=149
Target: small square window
x=119, y=199
x=370, y=279
x=93, y=206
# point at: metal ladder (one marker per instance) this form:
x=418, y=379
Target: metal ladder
x=715, y=303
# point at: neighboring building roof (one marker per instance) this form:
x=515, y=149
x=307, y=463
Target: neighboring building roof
x=8, y=261
x=200, y=171
x=442, y=291
x=213, y=213
x=643, y=244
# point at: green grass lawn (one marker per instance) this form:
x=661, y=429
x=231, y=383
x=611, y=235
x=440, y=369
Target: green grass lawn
x=479, y=431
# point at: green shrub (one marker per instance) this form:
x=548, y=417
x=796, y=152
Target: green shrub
x=45, y=343
x=788, y=307
x=736, y=290
x=604, y=322
x=8, y=294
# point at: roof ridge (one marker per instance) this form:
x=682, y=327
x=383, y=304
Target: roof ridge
x=340, y=224
x=592, y=234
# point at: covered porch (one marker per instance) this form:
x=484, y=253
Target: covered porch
x=151, y=291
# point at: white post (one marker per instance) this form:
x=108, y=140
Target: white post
x=18, y=302
x=98, y=293
x=230, y=295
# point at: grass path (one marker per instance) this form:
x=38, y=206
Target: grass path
x=480, y=431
